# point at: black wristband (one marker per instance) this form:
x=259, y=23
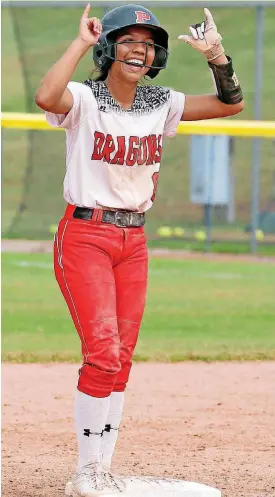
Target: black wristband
x=226, y=82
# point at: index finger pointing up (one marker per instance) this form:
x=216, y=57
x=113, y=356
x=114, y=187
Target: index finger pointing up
x=208, y=16
x=87, y=10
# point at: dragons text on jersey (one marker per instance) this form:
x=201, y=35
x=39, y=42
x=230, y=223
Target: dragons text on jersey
x=113, y=155
x=127, y=151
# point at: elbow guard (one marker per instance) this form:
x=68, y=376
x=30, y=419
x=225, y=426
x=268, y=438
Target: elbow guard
x=226, y=83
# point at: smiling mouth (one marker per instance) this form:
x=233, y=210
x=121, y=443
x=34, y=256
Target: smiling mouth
x=135, y=62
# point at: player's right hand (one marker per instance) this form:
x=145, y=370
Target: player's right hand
x=90, y=28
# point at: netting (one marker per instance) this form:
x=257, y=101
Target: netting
x=34, y=161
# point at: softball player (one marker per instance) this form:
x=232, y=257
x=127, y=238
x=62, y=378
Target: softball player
x=114, y=136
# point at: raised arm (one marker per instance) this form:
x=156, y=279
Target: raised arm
x=228, y=100
x=53, y=94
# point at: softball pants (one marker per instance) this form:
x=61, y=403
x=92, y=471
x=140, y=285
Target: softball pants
x=102, y=273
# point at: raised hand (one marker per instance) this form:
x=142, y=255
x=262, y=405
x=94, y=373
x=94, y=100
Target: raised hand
x=205, y=37
x=90, y=28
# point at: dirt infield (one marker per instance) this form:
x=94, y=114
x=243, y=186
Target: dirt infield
x=210, y=423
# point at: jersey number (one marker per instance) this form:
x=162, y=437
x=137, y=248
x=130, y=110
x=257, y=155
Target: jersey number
x=155, y=179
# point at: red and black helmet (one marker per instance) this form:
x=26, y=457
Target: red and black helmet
x=104, y=52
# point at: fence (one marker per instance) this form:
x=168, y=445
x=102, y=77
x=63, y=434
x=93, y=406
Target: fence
x=33, y=161
x=40, y=219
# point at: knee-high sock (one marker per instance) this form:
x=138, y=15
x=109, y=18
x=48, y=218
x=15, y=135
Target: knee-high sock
x=110, y=433
x=90, y=420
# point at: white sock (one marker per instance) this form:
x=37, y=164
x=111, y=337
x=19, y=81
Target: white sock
x=90, y=420
x=110, y=433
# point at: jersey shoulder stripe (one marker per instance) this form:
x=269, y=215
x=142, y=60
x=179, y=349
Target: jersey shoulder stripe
x=148, y=99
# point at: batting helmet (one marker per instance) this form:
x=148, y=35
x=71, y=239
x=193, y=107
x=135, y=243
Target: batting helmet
x=104, y=52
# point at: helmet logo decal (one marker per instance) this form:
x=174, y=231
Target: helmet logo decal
x=142, y=16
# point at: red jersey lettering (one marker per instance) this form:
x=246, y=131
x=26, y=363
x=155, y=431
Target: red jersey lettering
x=108, y=149
x=99, y=139
x=131, y=158
x=114, y=150
x=155, y=179
x=159, y=149
x=142, y=151
x=120, y=154
x=152, y=149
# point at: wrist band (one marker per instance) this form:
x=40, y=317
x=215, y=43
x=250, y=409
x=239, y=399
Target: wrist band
x=226, y=82
x=214, y=52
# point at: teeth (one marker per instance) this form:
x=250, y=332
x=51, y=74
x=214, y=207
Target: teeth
x=135, y=61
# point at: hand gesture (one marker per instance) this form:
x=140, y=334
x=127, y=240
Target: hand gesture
x=205, y=37
x=90, y=28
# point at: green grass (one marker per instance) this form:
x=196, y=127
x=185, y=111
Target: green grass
x=216, y=247
x=199, y=310
x=40, y=187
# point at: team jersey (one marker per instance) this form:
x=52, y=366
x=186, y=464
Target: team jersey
x=113, y=155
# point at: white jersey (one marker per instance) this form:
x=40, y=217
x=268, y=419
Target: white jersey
x=113, y=155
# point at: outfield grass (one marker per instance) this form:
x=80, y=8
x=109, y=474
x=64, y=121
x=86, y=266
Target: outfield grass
x=41, y=196
x=265, y=249
x=200, y=310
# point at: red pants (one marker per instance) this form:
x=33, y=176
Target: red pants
x=102, y=273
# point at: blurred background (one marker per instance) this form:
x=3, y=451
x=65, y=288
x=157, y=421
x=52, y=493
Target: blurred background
x=33, y=162
x=198, y=308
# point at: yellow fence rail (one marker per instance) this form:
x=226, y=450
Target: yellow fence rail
x=232, y=127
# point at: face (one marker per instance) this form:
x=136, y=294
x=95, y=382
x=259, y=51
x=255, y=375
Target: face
x=134, y=52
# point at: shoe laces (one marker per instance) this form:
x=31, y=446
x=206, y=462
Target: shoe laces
x=92, y=474
x=112, y=481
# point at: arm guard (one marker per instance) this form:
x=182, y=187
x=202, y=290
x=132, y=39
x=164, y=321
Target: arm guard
x=226, y=82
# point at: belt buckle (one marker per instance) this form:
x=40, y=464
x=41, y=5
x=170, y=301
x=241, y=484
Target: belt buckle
x=119, y=217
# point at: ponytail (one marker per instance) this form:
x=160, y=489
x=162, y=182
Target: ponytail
x=102, y=76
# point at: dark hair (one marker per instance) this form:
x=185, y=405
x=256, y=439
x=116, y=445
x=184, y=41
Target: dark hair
x=98, y=75
x=102, y=75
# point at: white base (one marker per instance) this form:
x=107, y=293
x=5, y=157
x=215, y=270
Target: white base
x=157, y=487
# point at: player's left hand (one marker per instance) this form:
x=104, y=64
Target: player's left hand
x=205, y=37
